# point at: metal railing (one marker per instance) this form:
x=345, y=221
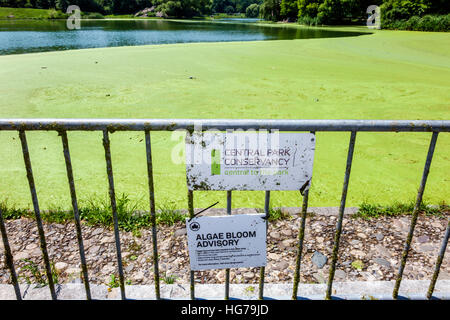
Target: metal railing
x=147, y=125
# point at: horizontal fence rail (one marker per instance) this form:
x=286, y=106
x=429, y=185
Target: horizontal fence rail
x=224, y=124
x=147, y=125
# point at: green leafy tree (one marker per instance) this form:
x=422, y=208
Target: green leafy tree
x=62, y=5
x=330, y=12
x=439, y=7
x=403, y=9
x=270, y=10
x=43, y=4
x=218, y=6
x=308, y=8
x=357, y=9
x=252, y=11
x=242, y=5
x=183, y=8
x=229, y=10
x=334, y=11
x=319, y=11
x=289, y=9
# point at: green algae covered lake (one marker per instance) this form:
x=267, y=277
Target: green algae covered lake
x=296, y=75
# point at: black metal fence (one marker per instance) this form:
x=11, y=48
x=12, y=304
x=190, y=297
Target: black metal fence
x=147, y=125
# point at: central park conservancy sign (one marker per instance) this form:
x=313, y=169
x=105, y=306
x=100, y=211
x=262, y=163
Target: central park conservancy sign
x=227, y=241
x=249, y=160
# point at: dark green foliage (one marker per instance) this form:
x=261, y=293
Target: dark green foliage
x=441, y=7
x=56, y=215
x=395, y=14
x=369, y=211
x=98, y=212
x=270, y=10
x=277, y=214
x=229, y=10
x=168, y=278
x=308, y=8
x=37, y=4
x=98, y=6
x=114, y=282
x=402, y=9
x=11, y=212
x=252, y=11
x=125, y=6
x=425, y=23
x=331, y=11
x=237, y=6
x=183, y=8
x=37, y=276
x=307, y=20
x=426, y=15
x=84, y=5
x=55, y=14
x=313, y=12
x=168, y=215
x=419, y=15
x=62, y=5
x=289, y=9
x=92, y=15
x=220, y=5
x=242, y=5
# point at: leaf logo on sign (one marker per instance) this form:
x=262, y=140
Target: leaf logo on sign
x=195, y=226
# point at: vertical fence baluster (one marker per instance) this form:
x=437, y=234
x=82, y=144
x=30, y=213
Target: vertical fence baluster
x=76, y=213
x=439, y=260
x=26, y=158
x=9, y=257
x=415, y=213
x=191, y=215
x=152, y=212
x=227, y=271
x=301, y=236
x=112, y=195
x=337, y=236
x=262, y=269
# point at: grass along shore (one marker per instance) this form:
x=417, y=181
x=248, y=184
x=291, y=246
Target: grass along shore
x=44, y=14
x=28, y=13
x=386, y=75
x=98, y=212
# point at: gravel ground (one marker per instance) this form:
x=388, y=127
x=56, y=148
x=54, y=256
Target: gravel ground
x=369, y=250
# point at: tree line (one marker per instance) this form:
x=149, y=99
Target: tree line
x=170, y=8
x=430, y=15
x=332, y=12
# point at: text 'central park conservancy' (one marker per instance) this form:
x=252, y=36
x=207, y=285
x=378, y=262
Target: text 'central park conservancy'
x=249, y=161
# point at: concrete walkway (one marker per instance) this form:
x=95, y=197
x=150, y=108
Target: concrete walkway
x=410, y=289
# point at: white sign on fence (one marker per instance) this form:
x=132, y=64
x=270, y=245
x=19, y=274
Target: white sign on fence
x=249, y=160
x=221, y=242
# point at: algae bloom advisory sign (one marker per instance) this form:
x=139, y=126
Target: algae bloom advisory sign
x=249, y=160
x=227, y=241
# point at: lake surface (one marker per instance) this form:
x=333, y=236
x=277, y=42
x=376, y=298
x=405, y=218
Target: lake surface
x=24, y=36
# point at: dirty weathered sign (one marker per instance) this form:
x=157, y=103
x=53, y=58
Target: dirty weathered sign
x=249, y=160
x=221, y=242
